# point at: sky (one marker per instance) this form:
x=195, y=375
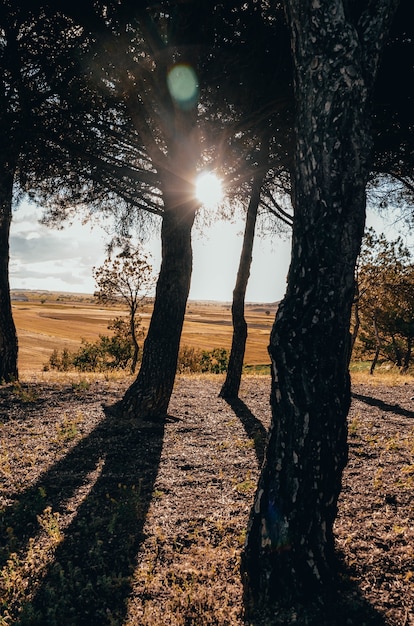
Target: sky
x=43, y=258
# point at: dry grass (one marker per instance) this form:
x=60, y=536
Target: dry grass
x=55, y=323
x=388, y=375
x=111, y=523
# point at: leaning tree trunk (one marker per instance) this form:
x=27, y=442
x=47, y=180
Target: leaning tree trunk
x=149, y=396
x=290, y=543
x=231, y=385
x=8, y=337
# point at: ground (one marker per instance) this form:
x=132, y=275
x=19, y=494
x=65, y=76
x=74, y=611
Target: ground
x=104, y=521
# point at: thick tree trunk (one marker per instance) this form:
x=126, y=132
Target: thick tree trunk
x=231, y=385
x=289, y=548
x=8, y=337
x=149, y=396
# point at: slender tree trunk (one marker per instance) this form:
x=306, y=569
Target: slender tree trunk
x=407, y=356
x=289, y=547
x=377, y=347
x=149, y=396
x=357, y=319
x=397, y=352
x=8, y=336
x=231, y=385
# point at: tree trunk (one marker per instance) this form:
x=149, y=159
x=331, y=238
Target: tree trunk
x=289, y=547
x=397, y=351
x=8, y=336
x=407, y=356
x=377, y=348
x=357, y=319
x=149, y=396
x=231, y=385
x=134, y=342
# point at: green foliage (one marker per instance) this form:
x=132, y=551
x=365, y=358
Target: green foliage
x=114, y=353
x=193, y=360
x=385, y=300
x=215, y=361
x=189, y=360
x=107, y=353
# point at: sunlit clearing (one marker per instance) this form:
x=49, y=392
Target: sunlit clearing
x=209, y=190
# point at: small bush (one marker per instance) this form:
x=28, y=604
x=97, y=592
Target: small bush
x=215, y=361
x=115, y=353
x=189, y=360
x=107, y=353
x=193, y=361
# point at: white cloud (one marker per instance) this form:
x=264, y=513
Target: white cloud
x=45, y=258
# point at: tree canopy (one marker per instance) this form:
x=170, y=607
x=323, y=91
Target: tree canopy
x=128, y=279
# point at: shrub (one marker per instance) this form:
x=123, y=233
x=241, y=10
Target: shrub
x=215, y=361
x=110, y=353
x=189, y=360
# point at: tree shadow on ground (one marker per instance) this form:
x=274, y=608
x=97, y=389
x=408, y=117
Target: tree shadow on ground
x=384, y=406
x=253, y=427
x=106, y=482
x=342, y=604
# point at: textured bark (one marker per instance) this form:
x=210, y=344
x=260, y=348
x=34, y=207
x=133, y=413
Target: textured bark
x=8, y=337
x=149, y=396
x=231, y=385
x=290, y=544
x=134, y=342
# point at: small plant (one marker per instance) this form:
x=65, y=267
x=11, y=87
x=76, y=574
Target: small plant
x=215, y=361
x=189, y=360
x=82, y=385
x=68, y=429
x=353, y=427
x=49, y=521
x=246, y=486
x=193, y=360
x=25, y=394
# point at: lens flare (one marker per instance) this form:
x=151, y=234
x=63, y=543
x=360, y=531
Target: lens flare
x=183, y=85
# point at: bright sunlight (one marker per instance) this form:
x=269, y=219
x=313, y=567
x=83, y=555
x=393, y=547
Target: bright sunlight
x=209, y=189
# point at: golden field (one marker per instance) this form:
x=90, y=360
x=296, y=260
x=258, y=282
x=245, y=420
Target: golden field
x=46, y=321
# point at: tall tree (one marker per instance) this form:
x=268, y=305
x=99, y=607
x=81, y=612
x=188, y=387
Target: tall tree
x=39, y=74
x=336, y=48
x=140, y=63
x=11, y=117
x=258, y=91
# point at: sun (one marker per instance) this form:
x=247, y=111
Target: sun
x=209, y=190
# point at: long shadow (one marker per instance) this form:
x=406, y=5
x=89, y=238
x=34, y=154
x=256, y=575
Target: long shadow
x=341, y=603
x=90, y=578
x=253, y=427
x=384, y=406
